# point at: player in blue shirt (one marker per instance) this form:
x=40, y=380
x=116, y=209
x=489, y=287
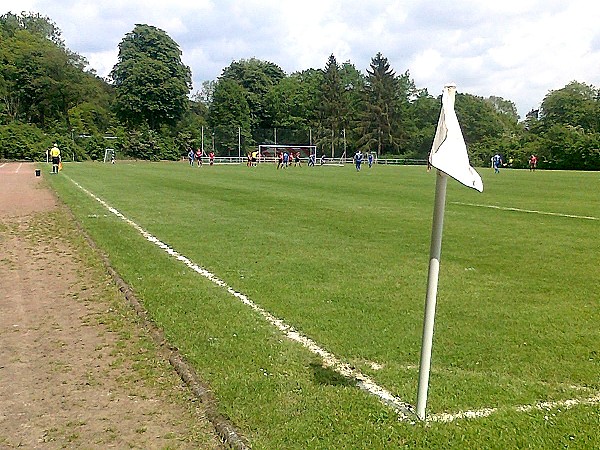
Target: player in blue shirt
x=358, y=159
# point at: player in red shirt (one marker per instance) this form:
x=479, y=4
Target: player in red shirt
x=532, y=163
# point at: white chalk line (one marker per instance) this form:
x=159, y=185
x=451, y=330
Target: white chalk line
x=541, y=406
x=532, y=211
x=18, y=168
x=405, y=411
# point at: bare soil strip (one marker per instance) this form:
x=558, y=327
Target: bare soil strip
x=77, y=369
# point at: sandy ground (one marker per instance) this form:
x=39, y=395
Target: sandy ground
x=76, y=368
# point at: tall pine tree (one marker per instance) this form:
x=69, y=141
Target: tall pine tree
x=333, y=105
x=378, y=124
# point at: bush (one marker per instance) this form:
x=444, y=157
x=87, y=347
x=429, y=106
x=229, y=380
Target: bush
x=23, y=141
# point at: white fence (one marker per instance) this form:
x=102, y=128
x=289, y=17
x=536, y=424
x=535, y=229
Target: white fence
x=380, y=161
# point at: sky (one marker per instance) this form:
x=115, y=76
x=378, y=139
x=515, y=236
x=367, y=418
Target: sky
x=519, y=50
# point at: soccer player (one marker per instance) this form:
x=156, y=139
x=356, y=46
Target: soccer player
x=191, y=157
x=55, y=155
x=532, y=163
x=497, y=162
x=370, y=158
x=358, y=156
x=199, y=156
x=311, y=160
x=211, y=158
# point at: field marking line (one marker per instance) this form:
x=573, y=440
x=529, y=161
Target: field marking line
x=404, y=410
x=533, y=211
x=541, y=406
x=487, y=374
x=2, y=165
x=18, y=168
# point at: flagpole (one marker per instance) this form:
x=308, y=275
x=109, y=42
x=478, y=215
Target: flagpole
x=432, y=283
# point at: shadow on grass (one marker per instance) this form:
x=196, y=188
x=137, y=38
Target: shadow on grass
x=328, y=376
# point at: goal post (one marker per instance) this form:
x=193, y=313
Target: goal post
x=268, y=152
x=110, y=155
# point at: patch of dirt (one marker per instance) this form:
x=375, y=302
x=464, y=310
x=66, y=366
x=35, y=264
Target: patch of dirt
x=76, y=368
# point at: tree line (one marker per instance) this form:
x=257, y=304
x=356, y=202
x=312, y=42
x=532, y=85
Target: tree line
x=144, y=109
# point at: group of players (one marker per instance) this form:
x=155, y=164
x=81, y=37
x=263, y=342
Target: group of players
x=285, y=159
x=497, y=162
x=197, y=157
x=358, y=159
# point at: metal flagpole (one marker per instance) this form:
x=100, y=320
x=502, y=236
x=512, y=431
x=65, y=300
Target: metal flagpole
x=432, y=284
x=449, y=156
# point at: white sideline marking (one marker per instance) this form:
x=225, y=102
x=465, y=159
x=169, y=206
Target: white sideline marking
x=404, y=410
x=542, y=406
x=2, y=165
x=504, y=208
x=18, y=168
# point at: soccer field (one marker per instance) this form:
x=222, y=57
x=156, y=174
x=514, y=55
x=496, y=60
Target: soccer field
x=342, y=257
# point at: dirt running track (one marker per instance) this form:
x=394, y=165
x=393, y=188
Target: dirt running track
x=76, y=369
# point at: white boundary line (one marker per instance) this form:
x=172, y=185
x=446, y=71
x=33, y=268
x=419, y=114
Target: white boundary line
x=404, y=410
x=504, y=208
x=2, y=165
x=18, y=168
x=541, y=406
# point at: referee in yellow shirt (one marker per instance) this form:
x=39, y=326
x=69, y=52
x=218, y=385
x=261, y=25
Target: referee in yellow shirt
x=55, y=155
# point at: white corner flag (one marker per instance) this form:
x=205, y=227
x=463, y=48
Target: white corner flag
x=449, y=156
x=449, y=151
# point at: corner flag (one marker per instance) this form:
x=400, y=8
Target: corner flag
x=449, y=156
x=449, y=151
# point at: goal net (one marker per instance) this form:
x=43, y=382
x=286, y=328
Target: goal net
x=270, y=151
x=110, y=155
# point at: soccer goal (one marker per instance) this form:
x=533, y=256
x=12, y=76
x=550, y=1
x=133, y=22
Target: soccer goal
x=110, y=155
x=269, y=152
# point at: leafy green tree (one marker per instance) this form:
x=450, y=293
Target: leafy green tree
x=22, y=141
x=577, y=104
x=311, y=82
x=571, y=147
x=257, y=78
x=205, y=95
x=294, y=107
x=151, y=82
x=286, y=103
x=506, y=107
x=229, y=112
x=190, y=129
x=478, y=119
x=420, y=123
x=34, y=23
x=40, y=80
x=566, y=129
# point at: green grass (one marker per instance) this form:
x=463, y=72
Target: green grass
x=343, y=256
